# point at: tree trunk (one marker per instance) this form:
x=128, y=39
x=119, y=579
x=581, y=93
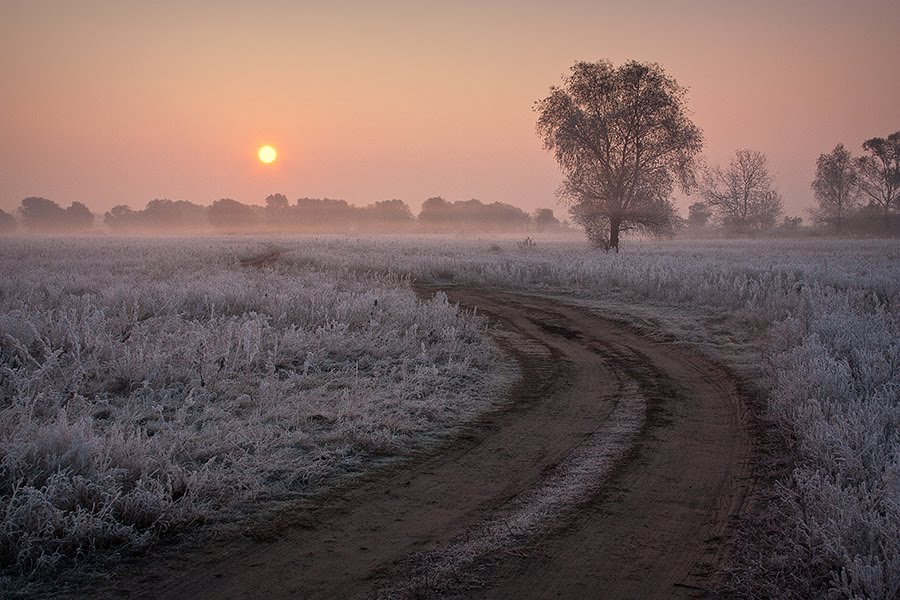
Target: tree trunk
x=614, y=234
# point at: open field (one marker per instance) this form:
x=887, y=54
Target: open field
x=534, y=499
x=151, y=387
x=148, y=386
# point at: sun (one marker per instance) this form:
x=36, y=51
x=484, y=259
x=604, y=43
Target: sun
x=267, y=154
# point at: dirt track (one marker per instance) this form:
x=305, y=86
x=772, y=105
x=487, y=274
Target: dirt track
x=614, y=472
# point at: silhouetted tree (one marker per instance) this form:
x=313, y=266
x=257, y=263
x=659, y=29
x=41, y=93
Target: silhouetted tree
x=160, y=215
x=41, y=214
x=435, y=213
x=623, y=139
x=278, y=213
x=698, y=214
x=386, y=215
x=121, y=218
x=498, y=216
x=79, y=217
x=229, y=214
x=791, y=224
x=324, y=214
x=836, y=187
x=277, y=202
x=879, y=174
x=7, y=222
x=471, y=215
x=544, y=220
x=465, y=213
x=173, y=215
x=743, y=195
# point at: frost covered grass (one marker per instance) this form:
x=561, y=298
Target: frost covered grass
x=149, y=384
x=822, y=322
x=146, y=385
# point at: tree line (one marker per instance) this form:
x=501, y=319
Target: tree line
x=854, y=195
x=855, y=192
x=306, y=215
x=624, y=141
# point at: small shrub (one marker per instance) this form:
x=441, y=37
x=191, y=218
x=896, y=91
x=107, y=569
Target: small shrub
x=526, y=244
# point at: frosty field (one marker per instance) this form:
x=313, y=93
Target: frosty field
x=150, y=387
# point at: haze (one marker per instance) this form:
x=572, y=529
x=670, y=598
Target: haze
x=119, y=103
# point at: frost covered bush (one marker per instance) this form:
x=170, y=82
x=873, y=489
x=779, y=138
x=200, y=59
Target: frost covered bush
x=838, y=385
x=145, y=385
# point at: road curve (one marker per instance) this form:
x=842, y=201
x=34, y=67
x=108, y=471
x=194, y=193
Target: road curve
x=615, y=470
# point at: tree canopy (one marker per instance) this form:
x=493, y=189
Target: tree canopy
x=699, y=214
x=743, y=195
x=7, y=222
x=836, y=186
x=623, y=139
x=229, y=214
x=439, y=215
x=879, y=173
x=41, y=214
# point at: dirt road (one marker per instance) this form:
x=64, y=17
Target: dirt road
x=613, y=471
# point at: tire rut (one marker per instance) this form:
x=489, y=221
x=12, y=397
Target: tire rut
x=615, y=469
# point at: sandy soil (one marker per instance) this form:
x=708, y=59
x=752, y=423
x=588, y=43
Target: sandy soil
x=615, y=470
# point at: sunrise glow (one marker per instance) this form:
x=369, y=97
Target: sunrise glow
x=412, y=299
x=267, y=154
x=409, y=100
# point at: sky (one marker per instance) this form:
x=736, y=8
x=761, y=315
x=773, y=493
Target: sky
x=120, y=102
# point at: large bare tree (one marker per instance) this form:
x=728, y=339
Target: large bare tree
x=879, y=173
x=835, y=186
x=743, y=195
x=623, y=139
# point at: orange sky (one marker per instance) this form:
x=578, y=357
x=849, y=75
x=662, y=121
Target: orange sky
x=120, y=102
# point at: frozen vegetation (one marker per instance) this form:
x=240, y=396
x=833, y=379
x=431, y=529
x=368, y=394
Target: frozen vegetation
x=146, y=385
x=816, y=323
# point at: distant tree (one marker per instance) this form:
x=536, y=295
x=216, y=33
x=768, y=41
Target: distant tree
x=120, y=218
x=324, y=214
x=386, y=215
x=277, y=202
x=278, y=213
x=836, y=187
x=472, y=215
x=7, y=222
x=879, y=174
x=392, y=210
x=545, y=220
x=79, y=217
x=791, y=224
x=623, y=139
x=869, y=219
x=698, y=215
x=173, y=215
x=435, y=213
x=229, y=214
x=743, y=195
x=41, y=214
x=496, y=216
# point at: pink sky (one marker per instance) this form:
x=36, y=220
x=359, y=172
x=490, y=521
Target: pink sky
x=121, y=102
